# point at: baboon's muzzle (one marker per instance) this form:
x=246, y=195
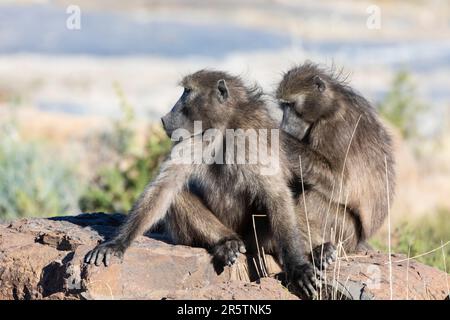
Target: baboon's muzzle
x=167, y=124
x=293, y=124
x=171, y=122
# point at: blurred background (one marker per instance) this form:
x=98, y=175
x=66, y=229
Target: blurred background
x=84, y=83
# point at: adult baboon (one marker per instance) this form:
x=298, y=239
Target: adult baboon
x=232, y=190
x=345, y=152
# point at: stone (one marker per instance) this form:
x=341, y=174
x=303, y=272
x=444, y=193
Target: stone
x=43, y=259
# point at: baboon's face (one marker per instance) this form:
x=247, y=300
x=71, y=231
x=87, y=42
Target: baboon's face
x=205, y=98
x=304, y=99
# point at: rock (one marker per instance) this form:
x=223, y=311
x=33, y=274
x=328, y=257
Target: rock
x=43, y=259
x=367, y=276
x=25, y=266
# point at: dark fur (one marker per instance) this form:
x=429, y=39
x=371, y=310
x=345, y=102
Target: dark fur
x=212, y=205
x=346, y=199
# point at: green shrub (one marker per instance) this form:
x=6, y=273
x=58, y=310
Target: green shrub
x=421, y=236
x=118, y=184
x=116, y=187
x=122, y=138
x=32, y=181
x=401, y=107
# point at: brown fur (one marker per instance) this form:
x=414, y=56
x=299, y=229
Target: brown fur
x=212, y=204
x=346, y=198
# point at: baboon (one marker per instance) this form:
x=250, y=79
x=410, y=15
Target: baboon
x=211, y=204
x=345, y=153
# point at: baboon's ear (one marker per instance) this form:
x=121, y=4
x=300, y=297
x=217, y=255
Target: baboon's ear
x=319, y=83
x=222, y=90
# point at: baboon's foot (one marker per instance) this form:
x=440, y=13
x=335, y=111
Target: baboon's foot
x=227, y=252
x=103, y=253
x=363, y=247
x=324, y=255
x=305, y=280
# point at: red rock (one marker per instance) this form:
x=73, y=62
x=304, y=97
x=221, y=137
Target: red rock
x=43, y=259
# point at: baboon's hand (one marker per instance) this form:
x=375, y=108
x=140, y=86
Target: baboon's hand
x=324, y=255
x=226, y=252
x=305, y=278
x=103, y=252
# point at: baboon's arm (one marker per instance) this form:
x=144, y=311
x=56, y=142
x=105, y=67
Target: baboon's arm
x=286, y=231
x=154, y=202
x=190, y=222
x=315, y=169
x=151, y=207
x=282, y=218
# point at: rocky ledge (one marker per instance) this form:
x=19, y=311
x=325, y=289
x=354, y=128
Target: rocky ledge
x=43, y=259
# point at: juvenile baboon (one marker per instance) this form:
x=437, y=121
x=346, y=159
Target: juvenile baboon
x=212, y=204
x=345, y=153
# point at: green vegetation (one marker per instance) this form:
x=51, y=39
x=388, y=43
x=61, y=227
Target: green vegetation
x=123, y=135
x=119, y=183
x=401, y=107
x=35, y=183
x=32, y=181
x=116, y=186
x=421, y=236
